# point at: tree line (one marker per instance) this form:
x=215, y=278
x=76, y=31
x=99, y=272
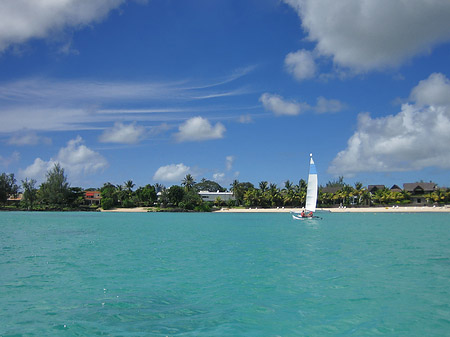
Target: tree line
x=55, y=193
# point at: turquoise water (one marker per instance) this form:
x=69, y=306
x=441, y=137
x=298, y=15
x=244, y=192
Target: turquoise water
x=155, y=274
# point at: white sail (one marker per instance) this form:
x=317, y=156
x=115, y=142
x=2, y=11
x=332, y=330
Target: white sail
x=311, y=192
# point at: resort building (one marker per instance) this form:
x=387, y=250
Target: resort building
x=418, y=191
x=374, y=188
x=396, y=188
x=92, y=198
x=14, y=199
x=212, y=196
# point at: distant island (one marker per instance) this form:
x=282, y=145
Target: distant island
x=204, y=196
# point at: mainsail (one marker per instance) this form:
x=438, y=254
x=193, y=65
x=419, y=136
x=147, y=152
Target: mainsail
x=311, y=192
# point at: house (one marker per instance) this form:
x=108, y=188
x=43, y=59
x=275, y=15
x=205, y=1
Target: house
x=330, y=190
x=373, y=188
x=14, y=199
x=92, y=198
x=418, y=191
x=212, y=196
x=396, y=188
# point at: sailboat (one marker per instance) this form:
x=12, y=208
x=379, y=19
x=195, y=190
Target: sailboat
x=311, y=194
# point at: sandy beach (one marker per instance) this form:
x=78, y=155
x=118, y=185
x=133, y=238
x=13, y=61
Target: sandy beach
x=400, y=209
x=127, y=210
x=410, y=209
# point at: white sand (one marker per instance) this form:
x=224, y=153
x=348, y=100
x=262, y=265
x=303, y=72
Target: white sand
x=127, y=210
x=401, y=209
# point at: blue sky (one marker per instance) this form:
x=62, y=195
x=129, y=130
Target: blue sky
x=152, y=90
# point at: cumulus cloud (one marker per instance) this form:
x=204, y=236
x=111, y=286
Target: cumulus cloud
x=435, y=90
x=280, y=106
x=79, y=159
x=416, y=138
x=373, y=34
x=76, y=159
x=199, y=129
x=123, y=134
x=21, y=20
x=37, y=170
x=28, y=138
x=171, y=173
x=301, y=64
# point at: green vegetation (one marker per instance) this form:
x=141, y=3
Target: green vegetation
x=55, y=193
x=8, y=187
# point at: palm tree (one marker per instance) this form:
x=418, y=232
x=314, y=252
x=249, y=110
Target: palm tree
x=188, y=182
x=237, y=191
x=252, y=197
x=234, y=186
x=159, y=187
x=366, y=197
x=358, y=191
x=302, y=185
x=129, y=185
x=288, y=186
x=263, y=186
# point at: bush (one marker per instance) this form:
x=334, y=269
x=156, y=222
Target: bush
x=107, y=203
x=204, y=207
x=128, y=203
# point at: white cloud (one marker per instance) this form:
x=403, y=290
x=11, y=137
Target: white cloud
x=245, y=119
x=301, y=64
x=6, y=161
x=37, y=170
x=229, y=160
x=21, y=20
x=54, y=105
x=123, y=133
x=279, y=106
x=415, y=138
x=219, y=177
x=171, y=173
x=198, y=129
x=328, y=105
x=52, y=119
x=28, y=138
x=435, y=90
x=76, y=159
x=373, y=34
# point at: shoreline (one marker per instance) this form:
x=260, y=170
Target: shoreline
x=403, y=209
x=399, y=209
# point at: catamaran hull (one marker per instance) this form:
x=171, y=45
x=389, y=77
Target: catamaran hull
x=298, y=216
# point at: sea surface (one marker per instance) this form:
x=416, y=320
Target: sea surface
x=159, y=274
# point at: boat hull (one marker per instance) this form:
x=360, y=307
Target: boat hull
x=298, y=216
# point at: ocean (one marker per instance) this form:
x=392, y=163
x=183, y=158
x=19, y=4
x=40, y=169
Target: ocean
x=191, y=274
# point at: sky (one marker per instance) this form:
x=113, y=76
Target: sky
x=150, y=91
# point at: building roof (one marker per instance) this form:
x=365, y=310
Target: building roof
x=373, y=188
x=92, y=194
x=415, y=187
x=330, y=189
x=215, y=193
